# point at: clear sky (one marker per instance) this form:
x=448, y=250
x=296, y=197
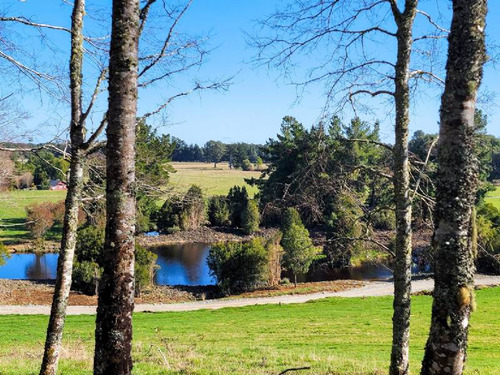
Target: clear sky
x=252, y=108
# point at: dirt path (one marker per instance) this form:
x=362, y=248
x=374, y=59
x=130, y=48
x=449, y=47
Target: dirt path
x=371, y=289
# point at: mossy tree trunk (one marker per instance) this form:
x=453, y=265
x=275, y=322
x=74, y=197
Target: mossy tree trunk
x=116, y=290
x=57, y=319
x=402, y=268
x=456, y=185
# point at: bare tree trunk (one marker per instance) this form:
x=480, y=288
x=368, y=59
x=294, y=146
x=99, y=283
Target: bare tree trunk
x=402, y=268
x=116, y=289
x=73, y=199
x=456, y=185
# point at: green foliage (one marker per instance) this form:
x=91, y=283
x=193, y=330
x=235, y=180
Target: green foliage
x=239, y=267
x=238, y=200
x=193, y=213
x=307, y=168
x=147, y=213
x=145, y=266
x=45, y=166
x=152, y=165
x=488, y=232
x=299, y=251
x=383, y=219
x=214, y=151
x=90, y=244
x=89, y=262
x=246, y=165
x=4, y=254
x=86, y=277
x=218, y=211
x=184, y=213
x=250, y=217
x=343, y=229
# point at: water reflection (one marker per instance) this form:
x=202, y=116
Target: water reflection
x=30, y=266
x=183, y=264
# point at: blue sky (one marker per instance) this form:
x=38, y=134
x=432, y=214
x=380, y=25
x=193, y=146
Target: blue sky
x=252, y=109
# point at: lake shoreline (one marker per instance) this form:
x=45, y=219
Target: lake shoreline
x=205, y=235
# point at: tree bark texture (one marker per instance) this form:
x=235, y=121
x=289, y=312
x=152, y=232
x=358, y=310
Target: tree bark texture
x=116, y=289
x=456, y=185
x=57, y=319
x=402, y=268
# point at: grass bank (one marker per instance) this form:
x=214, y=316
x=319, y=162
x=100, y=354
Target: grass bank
x=332, y=336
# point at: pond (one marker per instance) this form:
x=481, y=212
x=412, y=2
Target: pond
x=183, y=264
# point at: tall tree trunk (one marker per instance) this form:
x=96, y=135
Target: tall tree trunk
x=116, y=289
x=402, y=269
x=456, y=185
x=73, y=199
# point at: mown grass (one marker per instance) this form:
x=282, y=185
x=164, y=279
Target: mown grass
x=493, y=197
x=213, y=181
x=332, y=336
x=12, y=211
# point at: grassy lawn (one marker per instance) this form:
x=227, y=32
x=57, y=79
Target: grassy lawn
x=12, y=211
x=494, y=197
x=212, y=181
x=333, y=336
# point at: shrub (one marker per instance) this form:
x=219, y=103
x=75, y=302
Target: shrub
x=193, y=213
x=147, y=214
x=145, y=266
x=342, y=227
x=40, y=219
x=250, y=217
x=3, y=254
x=90, y=244
x=246, y=165
x=239, y=267
x=218, y=211
x=383, y=219
x=299, y=251
x=86, y=277
x=237, y=199
x=169, y=215
x=488, y=238
x=184, y=213
x=89, y=262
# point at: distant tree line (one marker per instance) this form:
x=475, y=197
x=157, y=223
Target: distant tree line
x=239, y=155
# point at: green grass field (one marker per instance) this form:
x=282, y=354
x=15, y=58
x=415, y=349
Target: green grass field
x=332, y=336
x=12, y=211
x=212, y=181
x=493, y=197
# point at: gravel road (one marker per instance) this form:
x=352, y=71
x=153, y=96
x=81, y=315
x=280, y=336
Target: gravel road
x=371, y=289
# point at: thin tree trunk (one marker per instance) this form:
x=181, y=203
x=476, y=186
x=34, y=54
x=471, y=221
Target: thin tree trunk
x=402, y=268
x=456, y=185
x=73, y=199
x=116, y=289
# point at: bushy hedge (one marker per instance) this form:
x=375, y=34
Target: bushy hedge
x=299, y=251
x=183, y=213
x=218, y=211
x=239, y=267
x=250, y=218
x=237, y=199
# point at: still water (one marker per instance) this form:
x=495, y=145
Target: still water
x=184, y=264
